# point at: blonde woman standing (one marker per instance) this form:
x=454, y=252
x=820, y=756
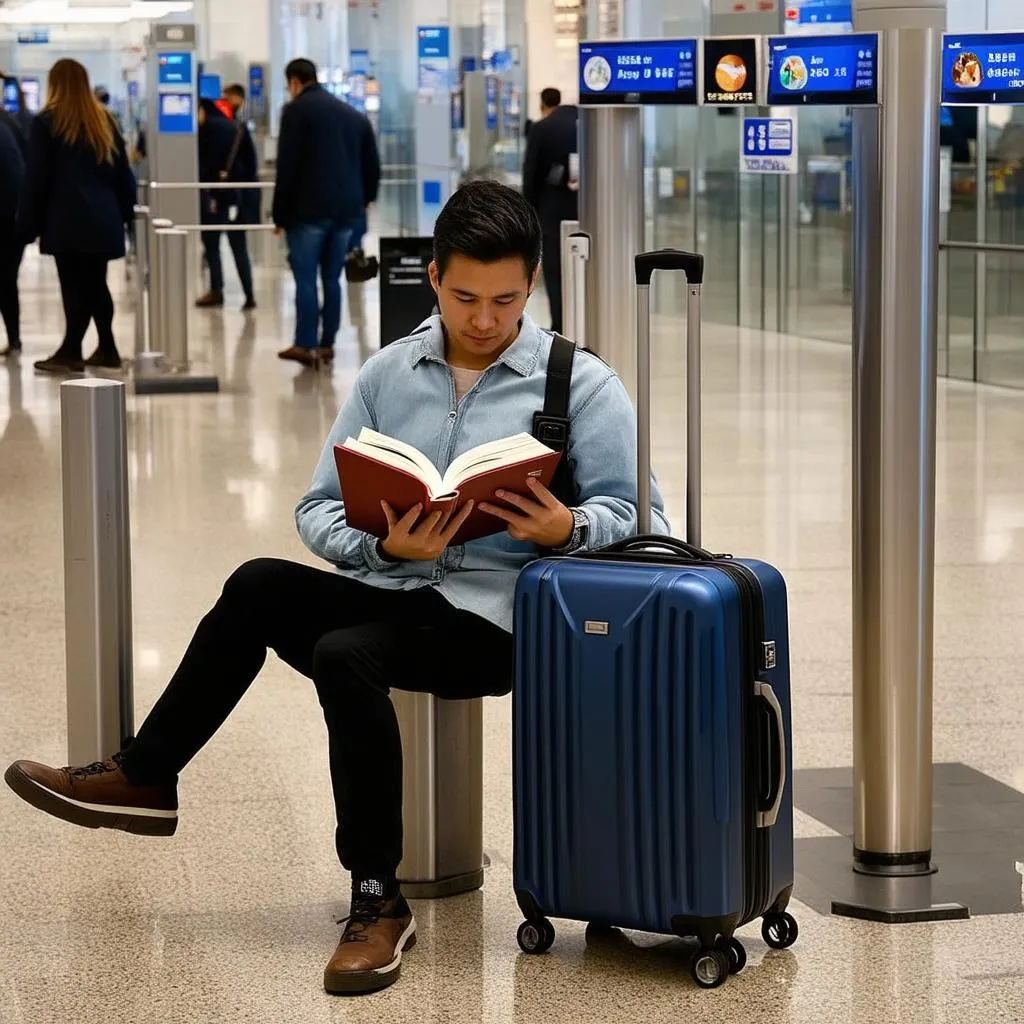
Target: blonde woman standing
x=80, y=196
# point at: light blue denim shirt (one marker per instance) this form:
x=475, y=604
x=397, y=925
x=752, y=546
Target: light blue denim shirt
x=408, y=392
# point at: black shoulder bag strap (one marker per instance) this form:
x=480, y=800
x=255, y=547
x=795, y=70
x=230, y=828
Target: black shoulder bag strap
x=551, y=424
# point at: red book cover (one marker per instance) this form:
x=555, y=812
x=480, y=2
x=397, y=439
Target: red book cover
x=366, y=482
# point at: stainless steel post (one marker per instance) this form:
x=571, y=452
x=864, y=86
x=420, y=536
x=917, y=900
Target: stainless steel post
x=643, y=407
x=173, y=246
x=579, y=253
x=97, y=568
x=157, y=316
x=568, y=284
x=141, y=277
x=895, y=349
x=694, y=435
x=612, y=214
x=442, y=757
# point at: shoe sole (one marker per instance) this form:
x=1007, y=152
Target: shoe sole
x=361, y=983
x=137, y=820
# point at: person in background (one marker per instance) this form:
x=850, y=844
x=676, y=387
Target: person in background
x=79, y=200
x=102, y=93
x=13, y=151
x=226, y=153
x=550, y=188
x=234, y=96
x=328, y=173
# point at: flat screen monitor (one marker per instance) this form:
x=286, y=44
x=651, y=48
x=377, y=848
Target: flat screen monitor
x=818, y=17
x=33, y=97
x=731, y=72
x=11, y=98
x=175, y=69
x=209, y=87
x=983, y=68
x=831, y=70
x=655, y=71
x=177, y=113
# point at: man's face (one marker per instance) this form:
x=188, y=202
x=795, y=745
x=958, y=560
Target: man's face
x=294, y=87
x=481, y=305
x=235, y=100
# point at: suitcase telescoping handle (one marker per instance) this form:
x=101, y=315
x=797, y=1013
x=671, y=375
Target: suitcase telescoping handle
x=692, y=264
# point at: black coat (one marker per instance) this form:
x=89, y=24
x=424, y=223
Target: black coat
x=73, y=202
x=13, y=148
x=546, y=168
x=217, y=141
x=328, y=167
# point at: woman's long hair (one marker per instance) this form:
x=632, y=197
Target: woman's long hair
x=77, y=114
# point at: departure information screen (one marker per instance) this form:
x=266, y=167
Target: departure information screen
x=174, y=69
x=832, y=70
x=983, y=68
x=662, y=71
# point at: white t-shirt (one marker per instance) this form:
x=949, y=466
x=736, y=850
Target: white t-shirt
x=464, y=380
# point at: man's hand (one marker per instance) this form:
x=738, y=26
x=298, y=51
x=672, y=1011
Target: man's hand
x=408, y=542
x=539, y=517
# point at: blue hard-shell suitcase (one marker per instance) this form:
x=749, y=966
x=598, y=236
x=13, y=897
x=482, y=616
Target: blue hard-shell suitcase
x=651, y=727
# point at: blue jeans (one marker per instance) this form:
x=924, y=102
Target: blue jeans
x=318, y=245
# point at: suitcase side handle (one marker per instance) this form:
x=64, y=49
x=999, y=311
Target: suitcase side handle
x=691, y=263
x=768, y=818
x=648, y=542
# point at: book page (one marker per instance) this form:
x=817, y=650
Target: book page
x=399, y=454
x=505, y=452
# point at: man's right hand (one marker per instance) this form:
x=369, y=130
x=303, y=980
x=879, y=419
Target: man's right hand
x=407, y=542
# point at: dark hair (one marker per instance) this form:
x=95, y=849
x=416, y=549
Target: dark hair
x=551, y=98
x=235, y=90
x=302, y=70
x=487, y=221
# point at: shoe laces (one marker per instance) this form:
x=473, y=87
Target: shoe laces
x=96, y=768
x=366, y=912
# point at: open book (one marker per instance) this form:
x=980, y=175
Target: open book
x=374, y=468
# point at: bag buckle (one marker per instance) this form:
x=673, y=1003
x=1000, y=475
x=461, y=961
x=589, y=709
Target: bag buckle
x=551, y=430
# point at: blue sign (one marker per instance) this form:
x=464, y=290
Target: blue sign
x=133, y=90
x=769, y=146
x=492, y=103
x=983, y=68
x=174, y=69
x=808, y=17
x=12, y=96
x=359, y=62
x=654, y=71
x=433, y=52
x=33, y=36
x=823, y=70
x=176, y=113
x=209, y=87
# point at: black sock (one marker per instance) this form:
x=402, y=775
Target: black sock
x=375, y=887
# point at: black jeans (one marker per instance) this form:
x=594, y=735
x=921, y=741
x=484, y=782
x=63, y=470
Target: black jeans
x=10, y=304
x=355, y=642
x=240, y=251
x=86, y=297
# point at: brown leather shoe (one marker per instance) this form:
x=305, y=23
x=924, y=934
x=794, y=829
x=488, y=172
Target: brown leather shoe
x=326, y=355
x=211, y=300
x=305, y=356
x=96, y=796
x=369, y=956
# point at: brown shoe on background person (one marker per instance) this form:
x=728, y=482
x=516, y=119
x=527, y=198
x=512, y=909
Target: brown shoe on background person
x=298, y=355
x=97, y=796
x=211, y=300
x=369, y=956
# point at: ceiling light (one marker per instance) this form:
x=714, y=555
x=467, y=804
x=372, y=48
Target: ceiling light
x=101, y=12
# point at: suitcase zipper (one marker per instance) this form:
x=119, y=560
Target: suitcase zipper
x=759, y=654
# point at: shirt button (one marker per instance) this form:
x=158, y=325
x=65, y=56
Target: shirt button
x=452, y=415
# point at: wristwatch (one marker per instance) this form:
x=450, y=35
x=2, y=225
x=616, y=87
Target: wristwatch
x=580, y=533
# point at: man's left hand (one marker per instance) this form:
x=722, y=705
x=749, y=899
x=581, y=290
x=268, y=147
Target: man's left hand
x=538, y=517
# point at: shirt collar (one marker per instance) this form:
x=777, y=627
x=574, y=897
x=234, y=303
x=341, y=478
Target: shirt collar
x=521, y=356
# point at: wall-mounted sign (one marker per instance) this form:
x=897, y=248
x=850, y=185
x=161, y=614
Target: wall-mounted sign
x=661, y=71
x=176, y=113
x=434, y=55
x=834, y=70
x=818, y=17
x=33, y=36
x=175, y=69
x=731, y=73
x=769, y=146
x=983, y=68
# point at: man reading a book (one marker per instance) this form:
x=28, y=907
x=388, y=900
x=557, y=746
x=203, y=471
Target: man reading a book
x=404, y=605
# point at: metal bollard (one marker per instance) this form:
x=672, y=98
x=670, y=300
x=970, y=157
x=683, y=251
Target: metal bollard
x=172, y=244
x=442, y=756
x=156, y=318
x=568, y=229
x=141, y=277
x=97, y=568
x=579, y=254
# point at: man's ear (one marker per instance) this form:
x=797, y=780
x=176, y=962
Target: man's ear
x=435, y=277
x=535, y=278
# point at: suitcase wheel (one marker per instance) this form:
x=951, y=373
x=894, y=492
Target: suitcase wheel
x=779, y=931
x=733, y=948
x=710, y=967
x=536, y=936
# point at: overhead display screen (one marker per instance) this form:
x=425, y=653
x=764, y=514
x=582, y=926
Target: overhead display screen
x=175, y=69
x=657, y=71
x=176, y=114
x=814, y=17
x=983, y=68
x=823, y=70
x=730, y=72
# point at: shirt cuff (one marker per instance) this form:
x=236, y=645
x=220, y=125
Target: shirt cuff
x=373, y=556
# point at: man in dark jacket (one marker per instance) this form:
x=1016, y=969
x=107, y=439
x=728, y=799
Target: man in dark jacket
x=226, y=153
x=549, y=187
x=13, y=149
x=328, y=173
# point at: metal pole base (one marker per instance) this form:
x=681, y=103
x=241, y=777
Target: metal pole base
x=908, y=865
x=176, y=383
x=439, y=888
